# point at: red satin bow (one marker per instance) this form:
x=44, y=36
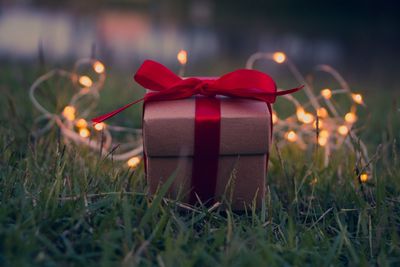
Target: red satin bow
x=243, y=83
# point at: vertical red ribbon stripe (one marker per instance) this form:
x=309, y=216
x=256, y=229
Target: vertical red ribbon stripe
x=206, y=148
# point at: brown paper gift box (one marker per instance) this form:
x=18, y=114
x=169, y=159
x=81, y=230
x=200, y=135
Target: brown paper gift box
x=245, y=134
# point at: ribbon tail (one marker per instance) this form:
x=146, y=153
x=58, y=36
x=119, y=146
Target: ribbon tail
x=115, y=112
x=290, y=91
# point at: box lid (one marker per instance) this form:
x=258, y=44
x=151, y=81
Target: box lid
x=168, y=127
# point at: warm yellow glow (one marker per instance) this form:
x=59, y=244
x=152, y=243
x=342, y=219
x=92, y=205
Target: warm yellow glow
x=99, y=126
x=279, y=57
x=274, y=118
x=308, y=118
x=357, y=98
x=133, y=162
x=322, y=112
x=324, y=134
x=69, y=113
x=85, y=81
x=320, y=124
x=350, y=117
x=98, y=67
x=364, y=177
x=291, y=136
x=343, y=130
x=300, y=113
x=84, y=132
x=322, y=141
x=326, y=93
x=81, y=123
x=182, y=57
x=323, y=137
x=304, y=116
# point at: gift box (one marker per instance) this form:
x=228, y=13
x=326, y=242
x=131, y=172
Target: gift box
x=244, y=140
x=212, y=135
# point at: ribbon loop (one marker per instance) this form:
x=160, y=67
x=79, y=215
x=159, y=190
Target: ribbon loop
x=203, y=89
x=244, y=83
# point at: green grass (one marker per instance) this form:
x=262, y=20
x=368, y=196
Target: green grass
x=64, y=206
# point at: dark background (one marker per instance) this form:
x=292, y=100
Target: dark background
x=360, y=38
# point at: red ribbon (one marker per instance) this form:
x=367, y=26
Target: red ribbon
x=206, y=148
x=248, y=84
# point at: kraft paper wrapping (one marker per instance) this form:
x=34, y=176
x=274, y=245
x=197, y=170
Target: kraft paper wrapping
x=241, y=178
x=168, y=127
x=168, y=133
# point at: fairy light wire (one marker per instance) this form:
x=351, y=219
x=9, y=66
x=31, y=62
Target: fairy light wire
x=300, y=127
x=339, y=129
x=77, y=128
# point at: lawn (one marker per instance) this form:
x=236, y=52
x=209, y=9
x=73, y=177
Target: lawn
x=65, y=206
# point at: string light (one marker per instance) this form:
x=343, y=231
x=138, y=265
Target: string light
x=274, y=118
x=304, y=116
x=320, y=124
x=98, y=67
x=182, y=57
x=300, y=113
x=99, y=126
x=85, y=81
x=69, y=113
x=322, y=140
x=79, y=130
x=326, y=93
x=81, y=123
x=350, y=117
x=357, y=98
x=322, y=113
x=333, y=124
x=279, y=57
x=84, y=132
x=308, y=118
x=291, y=136
x=343, y=130
x=133, y=162
x=324, y=134
x=364, y=177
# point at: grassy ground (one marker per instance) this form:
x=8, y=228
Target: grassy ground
x=65, y=206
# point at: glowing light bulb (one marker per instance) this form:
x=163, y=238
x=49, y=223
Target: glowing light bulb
x=326, y=93
x=84, y=132
x=81, y=123
x=308, y=118
x=182, y=57
x=133, y=162
x=279, y=57
x=364, y=177
x=98, y=67
x=343, y=130
x=322, y=141
x=304, y=116
x=350, y=117
x=322, y=112
x=320, y=124
x=300, y=113
x=324, y=134
x=99, y=126
x=291, y=136
x=274, y=118
x=85, y=81
x=357, y=98
x=69, y=113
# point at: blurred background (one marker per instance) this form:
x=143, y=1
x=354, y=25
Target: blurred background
x=360, y=38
